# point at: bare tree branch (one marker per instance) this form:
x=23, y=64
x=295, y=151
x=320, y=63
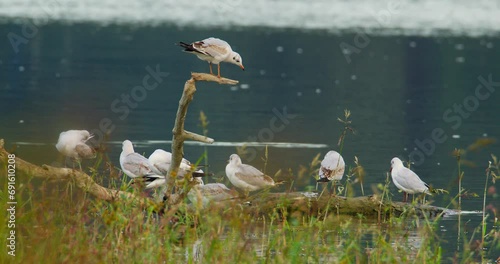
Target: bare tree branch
x=212, y=78
x=180, y=135
x=197, y=137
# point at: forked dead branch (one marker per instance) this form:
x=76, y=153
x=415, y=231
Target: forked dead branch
x=180, y=135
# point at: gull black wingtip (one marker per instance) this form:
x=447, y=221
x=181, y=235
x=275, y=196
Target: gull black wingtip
x=322, y=180
x=203, y=174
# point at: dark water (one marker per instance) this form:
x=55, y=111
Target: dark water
x=399, y=90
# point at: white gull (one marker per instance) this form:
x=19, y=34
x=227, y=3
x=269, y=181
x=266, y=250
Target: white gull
x=214, y=51
x=406, y=180
x=246, y=177
x=73, y=144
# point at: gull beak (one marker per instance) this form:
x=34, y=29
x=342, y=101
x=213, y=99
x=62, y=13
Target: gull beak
x=242, y=67
x=90, y=137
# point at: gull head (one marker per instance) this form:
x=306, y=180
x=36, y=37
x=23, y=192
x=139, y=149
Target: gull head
x=236, y=59
x=234, y=159
x=89, y=136
x=396, y=162
x=86, y=134
x=127, y=147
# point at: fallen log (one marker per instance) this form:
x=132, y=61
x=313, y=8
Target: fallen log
x=299, y=204
x=291, y=204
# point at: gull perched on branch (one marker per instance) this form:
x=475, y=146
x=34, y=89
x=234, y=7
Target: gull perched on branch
x=137, y=166
x=214, y=51
x=406, y=180
x=246, y=177
x=73, y=144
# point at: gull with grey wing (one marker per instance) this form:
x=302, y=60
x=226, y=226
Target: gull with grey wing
x=214, y=51
x=406, y=180
x=246, y=177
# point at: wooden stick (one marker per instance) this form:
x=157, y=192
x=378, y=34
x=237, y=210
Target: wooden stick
x=212, y=78
x=180, y=135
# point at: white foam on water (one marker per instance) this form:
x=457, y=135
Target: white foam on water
x=456, y=213
x=406, y=17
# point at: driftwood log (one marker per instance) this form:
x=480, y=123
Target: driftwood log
x=293, y=204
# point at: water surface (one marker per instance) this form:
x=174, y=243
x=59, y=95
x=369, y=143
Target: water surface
x=399, y=90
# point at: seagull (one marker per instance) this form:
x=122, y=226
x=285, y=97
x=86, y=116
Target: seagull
x=214, y=51
x=332, y=167
x=162, y=159
x=205, y=193
x=73, y=144
x=137, y=166
x=406, y=180
x=246, y=177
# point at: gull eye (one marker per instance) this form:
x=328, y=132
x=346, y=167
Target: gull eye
x=234, y=58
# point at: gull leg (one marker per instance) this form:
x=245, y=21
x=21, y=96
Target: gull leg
x=404, y=197
x=77, y=161
x=210, y=65
x=333, y=185
x=218, y=70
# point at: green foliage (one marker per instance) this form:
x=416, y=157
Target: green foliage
x=62, y=224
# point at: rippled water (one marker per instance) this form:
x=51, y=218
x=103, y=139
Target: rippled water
x=295, y=86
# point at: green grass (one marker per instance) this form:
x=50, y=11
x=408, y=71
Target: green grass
x=58, y=223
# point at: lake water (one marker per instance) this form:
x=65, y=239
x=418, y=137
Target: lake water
x=403, y=84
